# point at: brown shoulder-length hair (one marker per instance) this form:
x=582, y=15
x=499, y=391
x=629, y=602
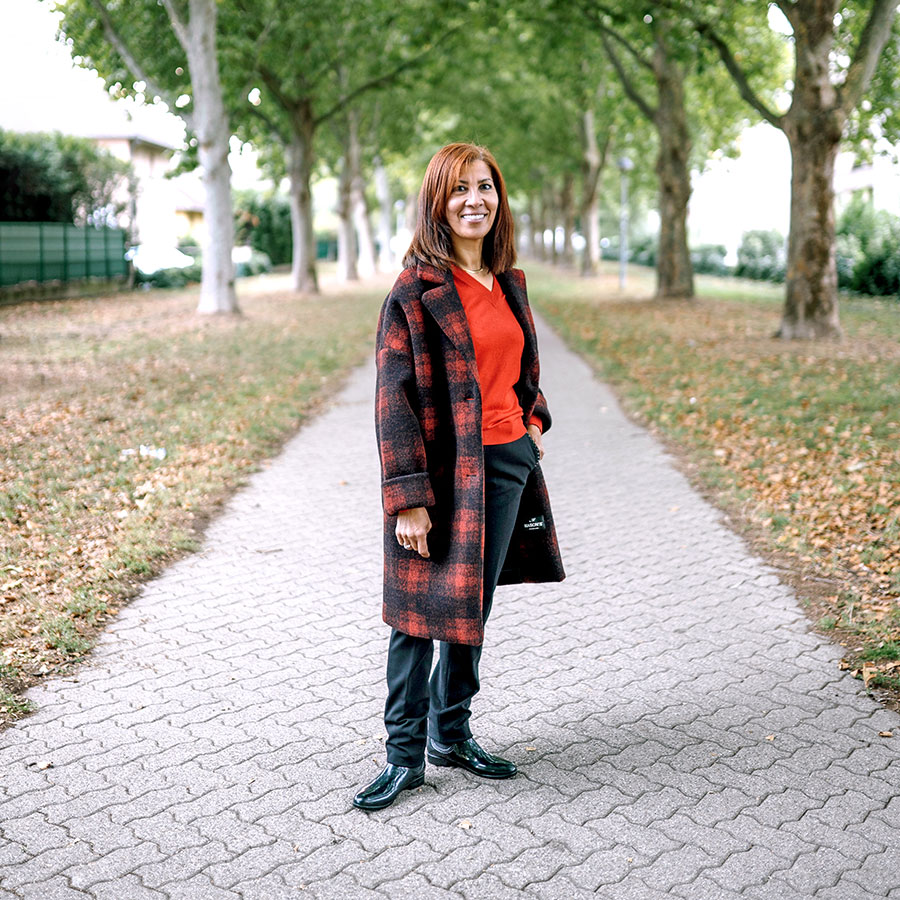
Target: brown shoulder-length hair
x=432, y=243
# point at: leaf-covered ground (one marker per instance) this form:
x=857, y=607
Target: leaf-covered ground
x=799, y=442
x=125, y=422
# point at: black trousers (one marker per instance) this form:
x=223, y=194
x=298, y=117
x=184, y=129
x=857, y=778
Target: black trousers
x=417, y=705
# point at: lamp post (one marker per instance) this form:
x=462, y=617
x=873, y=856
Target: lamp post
x=625, y=166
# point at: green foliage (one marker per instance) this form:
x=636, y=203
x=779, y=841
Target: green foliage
x=762, y=255
x=169, y=278
x=710, y=259
x=264, y=222
x=868, y=242
x=145, y=26
x=55, y=178
x=257, y=264
x=61, y=634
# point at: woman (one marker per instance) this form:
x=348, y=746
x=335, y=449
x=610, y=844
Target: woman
x=459, y=420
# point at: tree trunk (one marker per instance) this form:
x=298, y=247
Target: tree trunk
x=300, y=163
x=540, y=227
x=567, y=208
x=385, y=216
x=533, y=228
x=811, y=301
x=589, y=211
x=346, y=236
x=552, y=217
x=217, y=294
x=365, y=242
x=813, y=127
x=674, y=272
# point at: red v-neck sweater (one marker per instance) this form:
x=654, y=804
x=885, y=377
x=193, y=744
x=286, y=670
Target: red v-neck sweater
x=498, y=341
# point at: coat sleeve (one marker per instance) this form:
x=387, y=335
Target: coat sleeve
x=405, y=482
x=541, y=412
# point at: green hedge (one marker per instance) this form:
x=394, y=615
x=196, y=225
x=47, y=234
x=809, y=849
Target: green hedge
x=868, y=247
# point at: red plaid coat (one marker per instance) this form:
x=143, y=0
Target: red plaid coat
x=428, y=424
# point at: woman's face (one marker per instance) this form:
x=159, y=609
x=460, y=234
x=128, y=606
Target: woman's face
x=472, y=206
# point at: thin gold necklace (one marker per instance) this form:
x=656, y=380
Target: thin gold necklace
x=473, y=271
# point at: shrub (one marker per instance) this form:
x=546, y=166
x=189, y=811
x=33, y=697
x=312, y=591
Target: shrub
x=875, y=235
x=264, y=222
x=169, y=278
x=710, y=258
x=256, y=263
x=762, y=255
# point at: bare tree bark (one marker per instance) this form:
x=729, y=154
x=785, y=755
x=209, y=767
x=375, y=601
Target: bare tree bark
x=346, y=235
x=217, y=293
x=593, y=161
x=385, y=216
x=567, y=208
x=814, y=125
x=674, y=270
x=300, y=163
x=365, y=242
x=197, y=37
x=535, y=240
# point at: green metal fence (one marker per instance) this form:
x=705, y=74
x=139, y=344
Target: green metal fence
x=52, y=251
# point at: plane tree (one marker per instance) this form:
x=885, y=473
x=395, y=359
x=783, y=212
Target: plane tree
x=167, y=51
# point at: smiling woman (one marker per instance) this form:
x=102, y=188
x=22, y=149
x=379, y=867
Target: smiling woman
x=459, y=419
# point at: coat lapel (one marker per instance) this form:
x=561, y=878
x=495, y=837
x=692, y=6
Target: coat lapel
x=443, y=302
x=515, y=297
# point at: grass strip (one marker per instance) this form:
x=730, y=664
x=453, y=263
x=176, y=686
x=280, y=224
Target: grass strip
x=126, y=421
x=798, y=441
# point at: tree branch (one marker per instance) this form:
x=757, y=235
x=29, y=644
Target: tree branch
x=380, y=80
x=272, y=125
x=591, y=13
x=875, y=35
x=270, y=80
x=136, y=69
x=739, y=76
x=646, y=109
x=178, y=25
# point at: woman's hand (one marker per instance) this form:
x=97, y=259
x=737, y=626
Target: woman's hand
x=538, y=438
x=412, y=527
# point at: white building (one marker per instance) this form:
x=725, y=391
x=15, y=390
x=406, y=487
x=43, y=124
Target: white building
x=753, y=191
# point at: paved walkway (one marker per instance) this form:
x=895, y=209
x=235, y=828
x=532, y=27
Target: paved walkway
x=679, y=731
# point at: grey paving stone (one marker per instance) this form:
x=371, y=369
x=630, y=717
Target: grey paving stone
x=211, y=746
x=486, y=887
x=129, y=886
x=51, y=889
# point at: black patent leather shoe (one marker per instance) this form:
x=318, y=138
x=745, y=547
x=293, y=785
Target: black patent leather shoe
x=469, y=756
x=384, y=789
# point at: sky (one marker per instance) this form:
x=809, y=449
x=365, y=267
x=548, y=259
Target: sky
x=43, y=90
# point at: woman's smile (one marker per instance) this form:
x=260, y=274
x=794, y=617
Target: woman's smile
x=473, y=201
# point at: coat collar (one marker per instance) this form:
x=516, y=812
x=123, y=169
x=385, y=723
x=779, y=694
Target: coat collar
x=444, y=304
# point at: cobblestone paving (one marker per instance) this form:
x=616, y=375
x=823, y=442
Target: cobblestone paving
x=679, y=731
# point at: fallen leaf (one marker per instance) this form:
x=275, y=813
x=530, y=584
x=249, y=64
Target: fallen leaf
x=465, y=824
x=529, y=749
x=770, y=737
x=869, y=671
x=885, y=734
